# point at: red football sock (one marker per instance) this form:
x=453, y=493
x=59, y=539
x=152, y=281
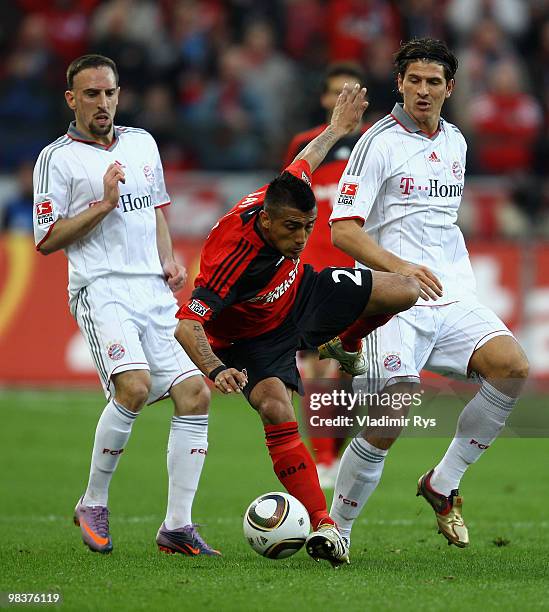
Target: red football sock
x=324, y=450
x=351, y=337
x=294, y=467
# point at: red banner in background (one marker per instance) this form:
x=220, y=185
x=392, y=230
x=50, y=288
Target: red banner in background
x=40, y=343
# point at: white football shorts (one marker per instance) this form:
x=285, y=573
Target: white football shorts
x=438, y=338
x=129, y=324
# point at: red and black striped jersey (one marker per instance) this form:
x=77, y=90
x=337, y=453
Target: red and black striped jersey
x=245, y=287
x=320, y=252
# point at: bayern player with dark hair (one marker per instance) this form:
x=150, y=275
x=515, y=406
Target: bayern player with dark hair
x=98, y=194
x=408, y=175
x=255, y=304
x=320, y=253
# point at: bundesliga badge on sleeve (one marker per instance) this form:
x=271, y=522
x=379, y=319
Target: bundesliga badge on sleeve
x=347, y=194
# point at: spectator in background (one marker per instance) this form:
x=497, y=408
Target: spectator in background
x=273, y=78
x=382, y=94
x=304, y=27
x=507, y=123
x=512, y=16
x=506, y=120
x=67, y=27
x=486, y=48
x=158, y=115
x=17, y=211
x=197, y=33
x=423, y=18
x=139, y=21
x=127, y=40
x=354, y=25
x=25, y=99
x=226, y=119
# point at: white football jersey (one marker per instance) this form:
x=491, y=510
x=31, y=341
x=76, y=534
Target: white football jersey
x=68, y=179
x=406, y=186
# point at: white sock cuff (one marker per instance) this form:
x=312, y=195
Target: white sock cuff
x=126, y=415
x=197, y=423
x=366, y=451
x=500, y=402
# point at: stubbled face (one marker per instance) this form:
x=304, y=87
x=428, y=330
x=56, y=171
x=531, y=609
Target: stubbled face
x=424, y=89
x=334, y=88
x=94, y=99
x=288, y=230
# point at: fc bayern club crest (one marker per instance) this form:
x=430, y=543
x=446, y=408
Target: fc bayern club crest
x=392, y=363
x=116, y=351
x=149, y=174
x=457, y=170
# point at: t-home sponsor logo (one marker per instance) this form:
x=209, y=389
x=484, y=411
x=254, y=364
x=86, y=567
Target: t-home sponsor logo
x=130, y=203
x=435, y=189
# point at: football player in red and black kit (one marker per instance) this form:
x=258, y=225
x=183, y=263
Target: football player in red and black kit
x=320, y=252
x=255, y=304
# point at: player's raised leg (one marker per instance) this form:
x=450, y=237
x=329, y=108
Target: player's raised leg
x=111, y=436
x=187, y=450
x=503, y=368
x=391, y=293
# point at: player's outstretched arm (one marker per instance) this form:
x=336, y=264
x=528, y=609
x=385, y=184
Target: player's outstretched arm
x=348, y=236
x=346, y=117
x=67, y=231
x=190, y=334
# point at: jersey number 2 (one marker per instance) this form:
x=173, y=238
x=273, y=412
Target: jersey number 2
x=355, y=276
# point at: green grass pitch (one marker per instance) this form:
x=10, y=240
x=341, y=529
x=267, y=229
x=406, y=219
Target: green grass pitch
x=398, y=560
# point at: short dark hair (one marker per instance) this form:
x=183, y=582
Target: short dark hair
x=89, y=61
x=288, y=190
x=427, y=49
x=342, y=69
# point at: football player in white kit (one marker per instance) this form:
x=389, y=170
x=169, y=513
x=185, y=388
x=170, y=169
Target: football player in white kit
x=396, y=211
x=98, y=194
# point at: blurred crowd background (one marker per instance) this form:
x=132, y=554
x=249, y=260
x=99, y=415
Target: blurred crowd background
x=224, y=84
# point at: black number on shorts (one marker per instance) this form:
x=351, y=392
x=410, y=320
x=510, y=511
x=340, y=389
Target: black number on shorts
x=355, y=276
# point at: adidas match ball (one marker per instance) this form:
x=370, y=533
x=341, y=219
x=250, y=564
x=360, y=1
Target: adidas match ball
x=276, y=525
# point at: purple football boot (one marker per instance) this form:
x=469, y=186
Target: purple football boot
x=94, y=525
x=184, y=540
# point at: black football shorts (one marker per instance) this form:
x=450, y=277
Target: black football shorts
x=327, y=302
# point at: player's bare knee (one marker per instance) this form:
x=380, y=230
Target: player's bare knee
x=274, y=411
x=509, y=365
x=191, y=396
x=132, y=389
x=134, y=395
x=408, y=292
x=516, y=367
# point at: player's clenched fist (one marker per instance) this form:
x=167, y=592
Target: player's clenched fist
x=176, y=275
x=113, y=176
x=230, y=380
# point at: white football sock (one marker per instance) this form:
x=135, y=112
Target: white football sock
x=478, y=426
x=359, y=473
x=111, y=435
x=187, y=449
